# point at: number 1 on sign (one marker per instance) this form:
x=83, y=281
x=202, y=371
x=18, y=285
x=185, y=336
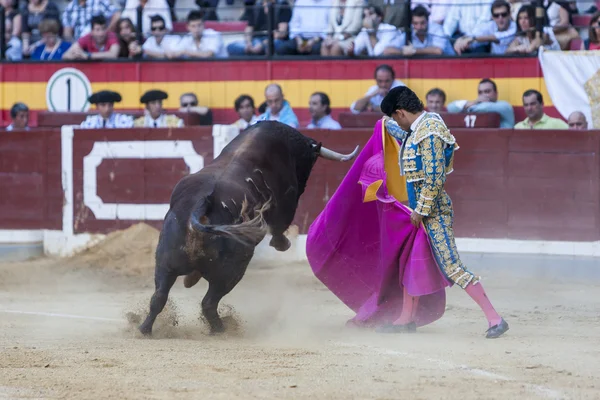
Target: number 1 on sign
x=69, y=94
x=470, y=121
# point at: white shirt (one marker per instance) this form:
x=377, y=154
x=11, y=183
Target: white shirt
x=387, y=36
x=211, y=40
x=438, y=9
x=160, y=122
x=435, y=37
x=377, y=99
x=168, y=43
x=466, y=14
x=241, y=123
x=505, y=37
x=327, y=122
x=310, y=18
x=115, y=120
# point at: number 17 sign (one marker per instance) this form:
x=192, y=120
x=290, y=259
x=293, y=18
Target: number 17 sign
x=68, y=90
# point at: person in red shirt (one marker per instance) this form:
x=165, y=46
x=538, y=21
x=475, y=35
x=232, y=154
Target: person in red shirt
x=96, y=45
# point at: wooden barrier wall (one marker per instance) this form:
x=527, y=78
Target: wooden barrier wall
x=541, y=185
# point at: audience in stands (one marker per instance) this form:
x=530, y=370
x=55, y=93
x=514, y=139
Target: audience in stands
x=345, y=22
x=593, y=40
x=577, y=121
x=376, y=36
x=256, y=33
x=526, y=40
x=278, y=109
x=13, y=24
x=51, y=47
x=533, y=103
x=160, y=44
x=427, y=38
x=486, y=102
x=244, y=106
x=19, y=113
x=188, y=102
x=149, y=9
x=200, y=42
x=319, y=107
x=385, y=79
x=77, y=17
x=493, y=36
x=394, y=11
x=435, y=100
x=154, y=113
x=33, y=14
x=464, y=15
x=559, y=15
x=107, y=118
x=437, y=9
x=308, y=27
x=128, y=43
x=99, y=44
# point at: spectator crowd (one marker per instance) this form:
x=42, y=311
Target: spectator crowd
x=99, y=29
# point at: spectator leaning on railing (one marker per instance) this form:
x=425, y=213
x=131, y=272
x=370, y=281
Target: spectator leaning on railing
x=129, y=45
x=51, y=47
x=77, y=17
x=526, y=40
x=99, y=44
x=345, y=22
x=200, y=42
x=33, y=14
x=376, y=35
x=160, y=44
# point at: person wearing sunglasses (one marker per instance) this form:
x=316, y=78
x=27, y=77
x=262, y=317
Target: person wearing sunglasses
x=160, y=44
x=497, y=33
x=188, y=102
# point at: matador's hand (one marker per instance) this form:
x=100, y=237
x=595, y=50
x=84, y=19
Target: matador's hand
x=416, y=218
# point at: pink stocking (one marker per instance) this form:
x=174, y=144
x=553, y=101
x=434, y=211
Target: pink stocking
x=478, y=294
x=409, y=309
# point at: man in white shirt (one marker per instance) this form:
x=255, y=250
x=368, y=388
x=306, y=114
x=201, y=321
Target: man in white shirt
x=465, y=15
x=375, y=36
x=308, y=27
x=154, y=114
x=160, y=44
x=385, y=79
x=105, y=102
x=426, y=38
x=244, y=106
x=499, y=33
x=200, y=42
x=319, y=106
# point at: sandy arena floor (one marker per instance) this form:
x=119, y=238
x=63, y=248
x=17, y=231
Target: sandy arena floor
x=287, y=338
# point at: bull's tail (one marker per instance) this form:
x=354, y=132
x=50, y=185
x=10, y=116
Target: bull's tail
x=248, y=232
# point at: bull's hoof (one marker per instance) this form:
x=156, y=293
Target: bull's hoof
x=217, y=330
x=145, y=330
x=280, y=243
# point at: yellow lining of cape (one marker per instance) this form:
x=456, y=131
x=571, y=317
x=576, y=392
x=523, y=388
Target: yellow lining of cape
x=396, y=184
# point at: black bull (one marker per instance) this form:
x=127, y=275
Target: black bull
x=218, y=215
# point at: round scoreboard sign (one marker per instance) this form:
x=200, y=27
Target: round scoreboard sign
x=68, y=90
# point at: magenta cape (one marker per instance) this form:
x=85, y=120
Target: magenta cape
x=363, y=247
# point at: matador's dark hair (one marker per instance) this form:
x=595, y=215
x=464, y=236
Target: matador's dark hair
x=401, y=98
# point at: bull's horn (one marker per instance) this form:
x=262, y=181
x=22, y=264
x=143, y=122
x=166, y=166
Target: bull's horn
x=335, y=156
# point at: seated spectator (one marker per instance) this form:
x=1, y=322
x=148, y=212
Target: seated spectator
x=375, y=36
x=19, y=113
x=487, y=101
x=496, y=34
x=33, y=14
x=437, y=9
x=160, y=44
x=320, y=110
x=209, y=8
x=526, y=40
x=394, y=11
x=345, y=22
x=560, y=18
x=385, y=79
x=149, y=8
x=244, y=106
x=426, y=38
x=278, y=109
x=464, y=15
x=107, y=118
x=577, y=121
x=128, y=43
x=77, y=17
x=593, y=40
x=155, y=115
x=435, y=100
x=51, y=47
x=13, y=24
x=308, y=27
x=97, y=45
x=256, y=34
x=188, y=102
x=200, y=42
x=533, y=103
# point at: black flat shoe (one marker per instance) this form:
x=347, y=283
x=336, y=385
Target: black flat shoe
x=391, y=328
x=497, y=330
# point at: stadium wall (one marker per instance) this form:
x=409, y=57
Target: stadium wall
x=513, y=191
x=47, y=85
